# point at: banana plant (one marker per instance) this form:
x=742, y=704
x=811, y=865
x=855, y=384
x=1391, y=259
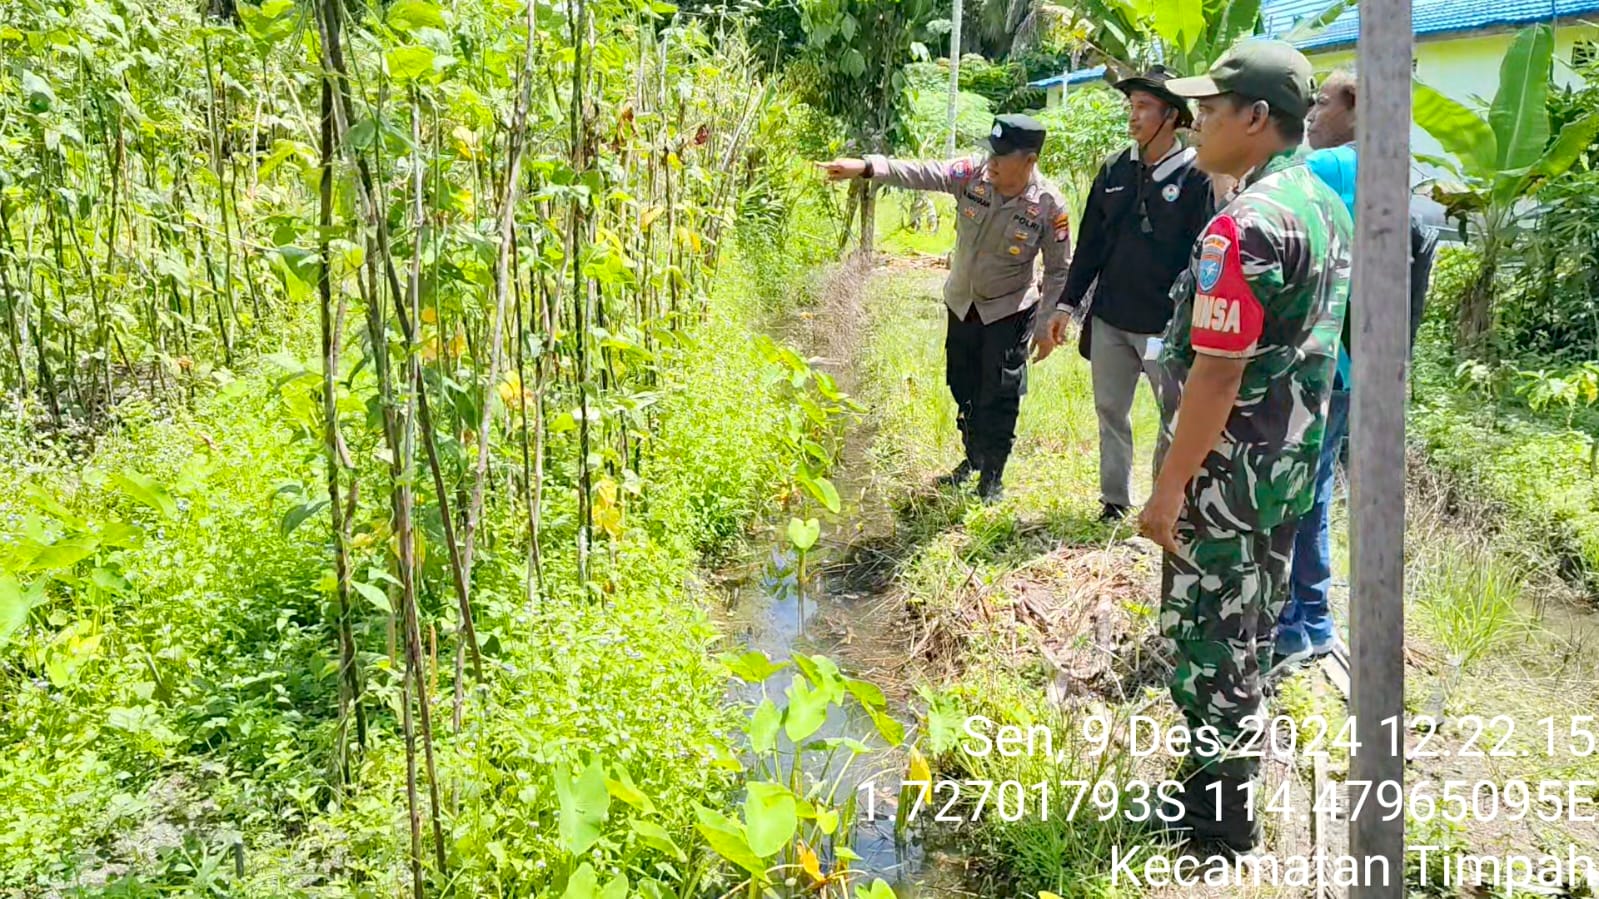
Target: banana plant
x=1130, y=35
x=1496, y=161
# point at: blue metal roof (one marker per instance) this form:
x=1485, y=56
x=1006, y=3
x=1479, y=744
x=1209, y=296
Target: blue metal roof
x=1428, y=17
x=1072, y=79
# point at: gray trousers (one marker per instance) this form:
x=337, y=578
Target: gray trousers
x=1116, y=358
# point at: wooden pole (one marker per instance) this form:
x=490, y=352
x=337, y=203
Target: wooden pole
x=1379, y=303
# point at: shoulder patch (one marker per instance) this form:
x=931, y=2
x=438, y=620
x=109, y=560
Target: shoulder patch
x=962, y=169
x=1212, y=257
x=1227, y=316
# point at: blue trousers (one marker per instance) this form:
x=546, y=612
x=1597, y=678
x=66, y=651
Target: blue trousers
x=1306, y=621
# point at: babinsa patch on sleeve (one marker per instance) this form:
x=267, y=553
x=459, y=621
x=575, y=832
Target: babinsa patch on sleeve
x=1227, y=316
x=1212, y=257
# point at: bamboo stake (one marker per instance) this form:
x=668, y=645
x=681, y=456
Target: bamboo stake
x=337, y=456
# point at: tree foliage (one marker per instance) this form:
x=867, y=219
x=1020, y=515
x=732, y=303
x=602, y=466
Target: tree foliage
x=1498, y=158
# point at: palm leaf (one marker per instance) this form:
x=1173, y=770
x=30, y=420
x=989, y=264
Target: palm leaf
x=1459, y=130
x=1519, y=118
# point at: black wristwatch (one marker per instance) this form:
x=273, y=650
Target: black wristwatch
x=867, y=171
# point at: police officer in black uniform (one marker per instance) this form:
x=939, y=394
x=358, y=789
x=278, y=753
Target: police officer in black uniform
x=1008, y=217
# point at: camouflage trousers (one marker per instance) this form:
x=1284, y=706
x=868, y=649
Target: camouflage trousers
x=1221, y=596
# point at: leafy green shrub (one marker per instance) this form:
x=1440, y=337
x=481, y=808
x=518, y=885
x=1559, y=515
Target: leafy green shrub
x=1551, y=307
x=173, y=690
x=1002, y=84
x=1083, y=131
x=928, y=119
x=1453, y=268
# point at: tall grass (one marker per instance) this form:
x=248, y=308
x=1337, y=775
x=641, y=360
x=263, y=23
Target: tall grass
x=1469, y=598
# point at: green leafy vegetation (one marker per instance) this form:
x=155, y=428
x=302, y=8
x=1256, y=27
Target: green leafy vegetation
x=382, y=383
x=1499, y=158
x=386, y=384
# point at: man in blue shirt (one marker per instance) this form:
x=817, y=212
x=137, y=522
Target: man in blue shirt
x=1305, y=628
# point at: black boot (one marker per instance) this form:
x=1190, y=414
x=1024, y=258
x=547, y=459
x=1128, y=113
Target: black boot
x=960, y=475
x=1196, y=807
x=1238, y=831
x=989, y=488
x=1112, y=512
x=1212, y=822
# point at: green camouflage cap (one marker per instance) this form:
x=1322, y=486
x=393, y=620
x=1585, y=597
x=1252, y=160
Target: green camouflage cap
x=1257, y=69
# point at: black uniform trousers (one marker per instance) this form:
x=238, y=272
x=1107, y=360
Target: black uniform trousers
x=986, y=369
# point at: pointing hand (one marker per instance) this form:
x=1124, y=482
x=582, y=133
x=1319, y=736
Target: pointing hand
x=842, y=169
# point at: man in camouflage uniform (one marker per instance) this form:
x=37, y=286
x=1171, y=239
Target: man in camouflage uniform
x=1008, y=216
x=1246, y=372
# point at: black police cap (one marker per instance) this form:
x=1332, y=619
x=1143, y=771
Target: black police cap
x=1013, y=133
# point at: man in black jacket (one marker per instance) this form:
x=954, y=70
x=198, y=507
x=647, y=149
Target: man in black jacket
x=1146, y=207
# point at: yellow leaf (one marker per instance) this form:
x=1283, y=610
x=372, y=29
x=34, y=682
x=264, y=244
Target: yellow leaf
x=919, y=769
x=607, y=514
x=648, y=217
x=465, y=142
x=429, y=317
x=1046, y=894
x=810, y=863
x=511, y=387
x=458, y=345
x=430, y=349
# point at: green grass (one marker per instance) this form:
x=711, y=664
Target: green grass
x=1053, y=473
x=1527, y=472
x=1470, y=599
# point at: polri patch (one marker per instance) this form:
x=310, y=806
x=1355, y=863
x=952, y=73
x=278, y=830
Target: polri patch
x=1212, y=255
x=1171, y=192
x=961, y=169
